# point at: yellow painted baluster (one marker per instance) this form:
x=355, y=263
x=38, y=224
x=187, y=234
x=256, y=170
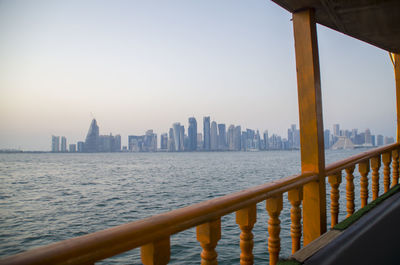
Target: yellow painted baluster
x=295, y=198
x=375, y=165
x=208, y=235
x=386, y=159
x=363, y=168
x=156, y=253
x=274, y=208
x=246, y=218
x=395, y=166
x=335, y=181
x=350, y=190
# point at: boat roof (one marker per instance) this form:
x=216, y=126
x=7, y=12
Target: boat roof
x=374, y=21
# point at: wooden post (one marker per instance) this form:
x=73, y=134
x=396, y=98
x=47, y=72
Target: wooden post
x=274, y=208
x=397, y=79
x=363, y=168
x=395, y=166
x=386, y=159
x=156, y=253
x=311, y=124
x=295, y=198
x=246, y=218
x=208, y=235
x=335, y=181
x=375, y=166
x=350, y=190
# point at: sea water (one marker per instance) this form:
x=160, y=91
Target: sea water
x=49, y=197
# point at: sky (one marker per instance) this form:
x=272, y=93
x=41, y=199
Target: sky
x=141, y=64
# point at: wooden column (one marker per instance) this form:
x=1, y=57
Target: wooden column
x=395, y=166
x=335, y=181
x=156, y=253
x=375, y=166
x=295, y=198
x=397, y=79
x=246, y=218
x=350, y=190
x=386, y=159
x=208, y=235
x=311, y=125
x=274, y=208
x=363, y=168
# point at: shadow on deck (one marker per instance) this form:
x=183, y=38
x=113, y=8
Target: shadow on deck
x=370, y=236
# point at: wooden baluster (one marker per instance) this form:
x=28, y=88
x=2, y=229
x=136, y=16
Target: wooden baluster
x=363, y=168
x=208, y=235
x=335, y=181
x=295, y=198
x=350, y=190
x=386, y=159
x=375, y=165
x=246, y=218
x=156, y=253
x=274, y=208
x=395, y=166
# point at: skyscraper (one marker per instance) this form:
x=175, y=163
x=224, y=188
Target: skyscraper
x=164, y=141
x=177, y=131
x=214, y=136
x=237, y=138
x=230, y=137
x=55, y=143
x=192, y=132
x=63, y=144
x=206, y=131
x=336, y=130
x=92, y=138
x=182, y=138
x=266, y=140
x=221, y=136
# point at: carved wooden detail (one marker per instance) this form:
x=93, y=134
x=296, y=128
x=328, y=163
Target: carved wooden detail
x=375, y=165
x=246, y=218
x=274, y=208
x=208, y=234
x=335, y=181
x=295, y=198
x=363, y=168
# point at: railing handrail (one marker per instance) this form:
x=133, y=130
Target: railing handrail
x=112, y=241
x=355, y=159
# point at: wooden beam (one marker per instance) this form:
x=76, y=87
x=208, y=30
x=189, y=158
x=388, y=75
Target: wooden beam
x=311, y=125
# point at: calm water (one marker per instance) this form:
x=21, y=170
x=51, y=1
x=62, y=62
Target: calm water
x=45, y=198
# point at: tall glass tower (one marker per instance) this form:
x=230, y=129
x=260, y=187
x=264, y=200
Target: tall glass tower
x=206, y=131
x=192, y=132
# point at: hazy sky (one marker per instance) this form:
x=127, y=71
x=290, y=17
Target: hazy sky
x=139, y=65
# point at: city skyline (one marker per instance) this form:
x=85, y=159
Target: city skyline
x=142, y=64
x=219, y=137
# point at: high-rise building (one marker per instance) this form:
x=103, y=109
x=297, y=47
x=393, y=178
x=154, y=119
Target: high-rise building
x=171, y=142
x=81, y=146
x=116, y=146
x=379, y=140
x=221, y=136
x=164, y=141
x=327, y=135
x=336, y=130
x=63, y=144
x=388, y=140
x=368, y=139
x=182, y=138
x=92, y=138
x=55, y=143
x=237, y=138
x=177, y=131
x=72, y=148
x=214, y=136
x=199, y=141
x=266, y=140
x=192, y=133
x=230, y=137
x=206, y=131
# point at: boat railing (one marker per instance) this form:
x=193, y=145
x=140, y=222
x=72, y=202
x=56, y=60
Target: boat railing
x=153, y=234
